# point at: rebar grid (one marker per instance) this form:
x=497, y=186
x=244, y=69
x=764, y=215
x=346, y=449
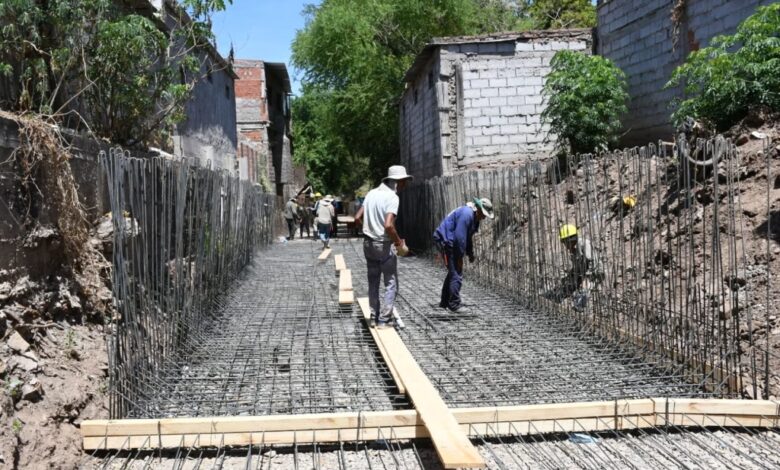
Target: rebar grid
x=671, y=447
x=507, y=354
x=279, y=344
x=182, y=233
x=677, y=277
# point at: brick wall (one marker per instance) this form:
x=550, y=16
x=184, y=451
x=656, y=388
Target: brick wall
x=252, y=123
x=638, y=36
x=476, y=104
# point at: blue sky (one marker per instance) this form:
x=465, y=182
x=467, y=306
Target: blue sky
x=260, y=29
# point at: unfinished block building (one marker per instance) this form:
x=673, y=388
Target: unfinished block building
x=476, y=101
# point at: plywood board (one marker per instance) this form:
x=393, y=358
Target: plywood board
x=324, y=255
x=363, y=303
x=345, y=280
x=340, y=264
x=346, y=297
x=452, y=445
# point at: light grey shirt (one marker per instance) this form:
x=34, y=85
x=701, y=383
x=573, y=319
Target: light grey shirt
x=379, y=202
x=291, y=210
x=325, y=212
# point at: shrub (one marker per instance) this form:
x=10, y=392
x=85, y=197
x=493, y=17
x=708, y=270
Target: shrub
x=586, y=95
x=734, y=74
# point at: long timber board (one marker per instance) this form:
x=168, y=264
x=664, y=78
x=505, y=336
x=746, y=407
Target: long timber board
x=407, y=424
x=451, y=443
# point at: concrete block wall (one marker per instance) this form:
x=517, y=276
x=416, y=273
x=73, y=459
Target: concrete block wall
x=420, y=135
x=638, y=36
x=479, y=103
x=502, y=98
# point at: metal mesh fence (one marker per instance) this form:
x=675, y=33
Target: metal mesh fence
x=182, y=233
x=673, y=256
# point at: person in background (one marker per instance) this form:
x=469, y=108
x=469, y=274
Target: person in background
x=325, y=213
x=305, y=215
x=382, y=243
x=291, y=216
x=454, y=239
x=586, y=271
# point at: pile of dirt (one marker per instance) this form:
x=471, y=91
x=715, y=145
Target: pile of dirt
x=49, y=387
x=55, y=298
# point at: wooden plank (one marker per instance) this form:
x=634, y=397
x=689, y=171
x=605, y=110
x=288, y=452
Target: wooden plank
x=363, y=303
x=346, y=297
x=598, y=409
x=324, y=255
x=407, y=424
x=345, y=280
x=340, y=264
x=451, y=443
x=238, y=424
x=716, y=406
x=154, y=441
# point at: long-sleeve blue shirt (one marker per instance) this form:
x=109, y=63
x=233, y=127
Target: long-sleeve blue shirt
x=457, y=230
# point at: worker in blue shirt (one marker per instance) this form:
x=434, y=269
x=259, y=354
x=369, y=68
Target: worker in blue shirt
x=454, y=239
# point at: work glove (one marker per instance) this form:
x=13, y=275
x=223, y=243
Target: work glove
x=402, y=250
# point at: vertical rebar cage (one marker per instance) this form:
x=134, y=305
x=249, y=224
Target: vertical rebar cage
x=182, y=233
x=673, y=255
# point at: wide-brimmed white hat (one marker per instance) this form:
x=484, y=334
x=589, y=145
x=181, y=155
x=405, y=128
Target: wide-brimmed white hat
x=485, y=206
x=397, y=173
x=328, y=198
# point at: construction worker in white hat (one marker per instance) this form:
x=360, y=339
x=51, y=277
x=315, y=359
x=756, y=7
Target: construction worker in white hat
x=324, y=211
x=454, y=239
x=586, y=271
x=382, y=244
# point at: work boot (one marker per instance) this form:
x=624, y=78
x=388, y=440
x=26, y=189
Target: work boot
x=463, y=310
x=384, y=324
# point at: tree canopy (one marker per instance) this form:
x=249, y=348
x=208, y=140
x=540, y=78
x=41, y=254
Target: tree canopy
x=94, y=64
x=353, y=54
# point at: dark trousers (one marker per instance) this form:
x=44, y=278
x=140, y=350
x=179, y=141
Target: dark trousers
x=305, y=226
x=291, y=226
x=450, y=290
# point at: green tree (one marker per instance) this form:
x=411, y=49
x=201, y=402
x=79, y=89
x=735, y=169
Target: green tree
x=89, y=62
x=734, y=74
x=353, y=54
x=561, y=14
x=586, y=97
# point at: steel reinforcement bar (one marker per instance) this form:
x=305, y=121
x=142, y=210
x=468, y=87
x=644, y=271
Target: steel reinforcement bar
x=667, y=224
x=182, y=233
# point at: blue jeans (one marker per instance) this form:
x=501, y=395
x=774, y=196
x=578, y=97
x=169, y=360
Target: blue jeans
x=450, y=290
x=381, y=261
x=324, y=231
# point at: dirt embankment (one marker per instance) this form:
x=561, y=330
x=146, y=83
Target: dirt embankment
x=48, y=389
x=54, y=301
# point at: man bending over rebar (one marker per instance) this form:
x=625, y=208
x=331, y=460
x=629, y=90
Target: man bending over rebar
x=382, y=242
x=586, y=272
x=454, y=240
